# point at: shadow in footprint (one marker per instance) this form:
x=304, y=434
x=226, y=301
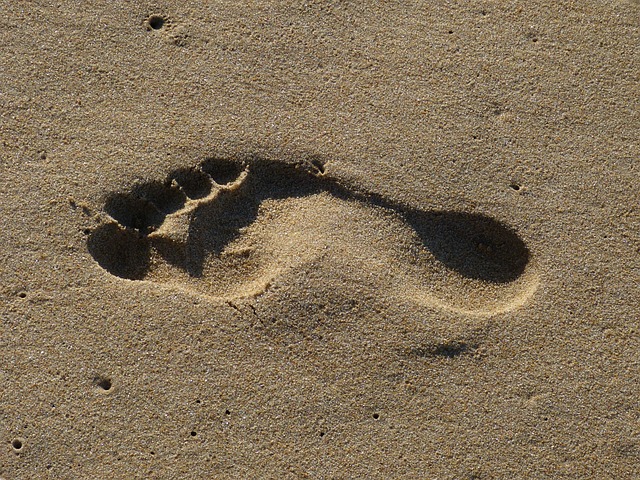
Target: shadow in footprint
x=475, y=246
x=123, y=252
x=221, y=203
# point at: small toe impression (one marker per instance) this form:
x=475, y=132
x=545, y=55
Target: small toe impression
x=133, y=212
x=166, y=197
x=120, y=251
x=194, y=182
x=476, y=246
x=221, y=170
x=146, y=206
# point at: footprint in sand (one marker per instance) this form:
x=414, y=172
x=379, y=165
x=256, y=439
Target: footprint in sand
x=229, y=228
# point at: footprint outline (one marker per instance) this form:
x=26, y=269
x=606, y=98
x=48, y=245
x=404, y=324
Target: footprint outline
x=225, y=194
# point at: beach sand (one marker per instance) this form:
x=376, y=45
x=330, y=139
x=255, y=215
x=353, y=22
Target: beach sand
x=319, y=239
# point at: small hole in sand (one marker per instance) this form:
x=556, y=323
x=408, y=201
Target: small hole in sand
x=322, y=434
x=376, y=416
x=103, y=383
x=450, y=32
x=193, y=434
x=17, y=444
x=515, y=186
x=534, y=40
x=156, y=22
x=227, y=412
x=22, y=294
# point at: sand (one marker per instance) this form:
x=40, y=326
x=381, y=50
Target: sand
x=319, y=240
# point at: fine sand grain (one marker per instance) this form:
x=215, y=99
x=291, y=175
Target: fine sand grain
x=318, y=239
